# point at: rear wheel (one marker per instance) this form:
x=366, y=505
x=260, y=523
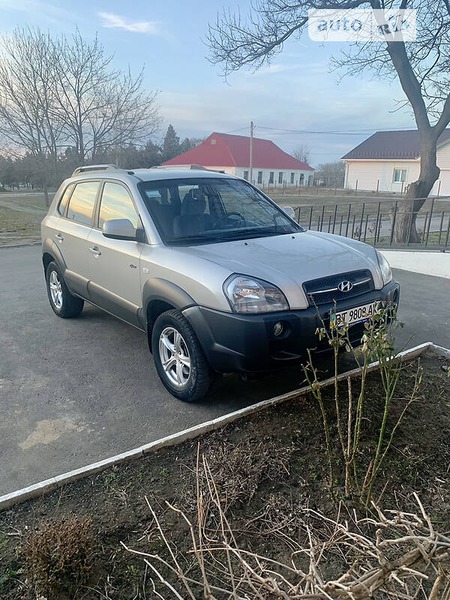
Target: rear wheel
x=179, y=358
x=63, y=303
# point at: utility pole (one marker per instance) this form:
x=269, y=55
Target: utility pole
x=252, y=127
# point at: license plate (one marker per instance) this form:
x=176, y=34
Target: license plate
x=353, y=315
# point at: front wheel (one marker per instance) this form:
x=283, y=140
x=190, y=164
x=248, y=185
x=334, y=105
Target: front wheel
x=63, y=303
x=179, y=358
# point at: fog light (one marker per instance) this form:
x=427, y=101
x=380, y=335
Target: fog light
x=278, y=329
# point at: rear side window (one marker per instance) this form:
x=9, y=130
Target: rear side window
x=65, y=199
x=82, y=201
x=117, y=204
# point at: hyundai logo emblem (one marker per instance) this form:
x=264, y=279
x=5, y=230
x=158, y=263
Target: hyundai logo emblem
x=345, y=286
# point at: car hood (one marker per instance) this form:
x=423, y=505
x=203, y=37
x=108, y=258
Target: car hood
x=289, y=260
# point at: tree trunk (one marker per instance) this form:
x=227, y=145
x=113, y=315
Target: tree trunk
x=417, y=192
x=46, y=194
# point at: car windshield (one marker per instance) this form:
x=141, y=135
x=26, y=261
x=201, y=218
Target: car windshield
x=212, y=210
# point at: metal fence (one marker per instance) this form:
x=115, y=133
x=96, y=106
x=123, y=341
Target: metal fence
x=374, y=222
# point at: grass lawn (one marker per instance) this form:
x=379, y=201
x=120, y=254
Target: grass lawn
x=20, y=217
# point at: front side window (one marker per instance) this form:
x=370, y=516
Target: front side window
x=116, y=203
x=212, y=210
x=82, y=202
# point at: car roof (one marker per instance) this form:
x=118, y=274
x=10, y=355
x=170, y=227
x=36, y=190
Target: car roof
x=151, y=174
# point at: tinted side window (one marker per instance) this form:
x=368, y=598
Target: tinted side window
x=117, y=204
x=65, y=199
x=81, y=205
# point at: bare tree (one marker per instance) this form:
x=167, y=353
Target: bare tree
x=57, y=93
x=302, y=153
x=422, y=67
x=100, y=107
x=28, y=98
x=331, y=174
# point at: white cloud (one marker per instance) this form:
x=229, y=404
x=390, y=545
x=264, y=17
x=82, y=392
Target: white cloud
x=110, y=20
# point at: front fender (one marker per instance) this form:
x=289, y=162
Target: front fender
x=159, y=295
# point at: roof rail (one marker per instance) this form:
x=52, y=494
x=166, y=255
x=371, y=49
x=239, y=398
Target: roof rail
x=189, y=167
x=87, y=168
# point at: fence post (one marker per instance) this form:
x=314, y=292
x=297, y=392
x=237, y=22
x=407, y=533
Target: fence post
x=322, y=218
x=348, y=219
x=393, y=223
x=365, y=228
x=429, y=222
x=335, y=214
x=362, y=221
x=411, y=221
x=440, y=227
x=377, y=231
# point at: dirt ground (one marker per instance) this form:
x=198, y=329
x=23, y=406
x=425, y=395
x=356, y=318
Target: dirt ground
x=268, y=469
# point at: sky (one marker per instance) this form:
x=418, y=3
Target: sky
x=296, y=101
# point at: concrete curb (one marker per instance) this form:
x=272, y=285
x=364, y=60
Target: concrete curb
x=435, y=263
x=48, y=485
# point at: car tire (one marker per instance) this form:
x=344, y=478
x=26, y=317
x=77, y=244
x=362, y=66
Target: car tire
x=179, y=358
x=63, y=303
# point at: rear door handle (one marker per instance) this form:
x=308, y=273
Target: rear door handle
x=95, y=251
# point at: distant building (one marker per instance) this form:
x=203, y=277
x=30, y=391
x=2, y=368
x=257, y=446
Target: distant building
x=389, y=161
x=231, y=154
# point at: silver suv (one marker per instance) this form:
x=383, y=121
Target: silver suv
x=218, y=276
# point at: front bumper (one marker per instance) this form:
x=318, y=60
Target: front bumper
x=247, y=343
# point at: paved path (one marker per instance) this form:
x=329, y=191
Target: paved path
x=76, y=391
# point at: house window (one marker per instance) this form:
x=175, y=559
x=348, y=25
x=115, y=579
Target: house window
x=280, y=177
x=399, y=176
x=271, y=176
x=260, y=176
x=302, y=179
x=292, y=178
x=246, y=175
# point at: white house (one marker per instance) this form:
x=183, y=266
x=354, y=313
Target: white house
x=390, y=160
x=271, y=166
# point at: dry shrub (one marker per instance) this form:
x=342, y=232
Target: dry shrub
x=394, y=555
x=239, y=469
x=59, y=555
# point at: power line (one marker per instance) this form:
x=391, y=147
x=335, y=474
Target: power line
x=331, y=132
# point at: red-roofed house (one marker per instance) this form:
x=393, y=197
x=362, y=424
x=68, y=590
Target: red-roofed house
x=231, y=154
x=389, y=160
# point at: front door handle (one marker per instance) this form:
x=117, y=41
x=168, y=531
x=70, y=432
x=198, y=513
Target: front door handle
x=95, y=251
x=59, y=237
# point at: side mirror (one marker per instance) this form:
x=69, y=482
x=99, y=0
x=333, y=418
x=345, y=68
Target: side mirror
x=119, y=229
x=289, y=211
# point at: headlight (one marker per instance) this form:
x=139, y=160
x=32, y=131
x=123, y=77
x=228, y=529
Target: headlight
x=385, y=269
x=249, y=295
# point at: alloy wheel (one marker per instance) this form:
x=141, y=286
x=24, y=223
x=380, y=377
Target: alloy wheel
x=175, y=357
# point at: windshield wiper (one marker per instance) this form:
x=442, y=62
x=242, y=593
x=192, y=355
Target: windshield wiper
x=193, y=239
